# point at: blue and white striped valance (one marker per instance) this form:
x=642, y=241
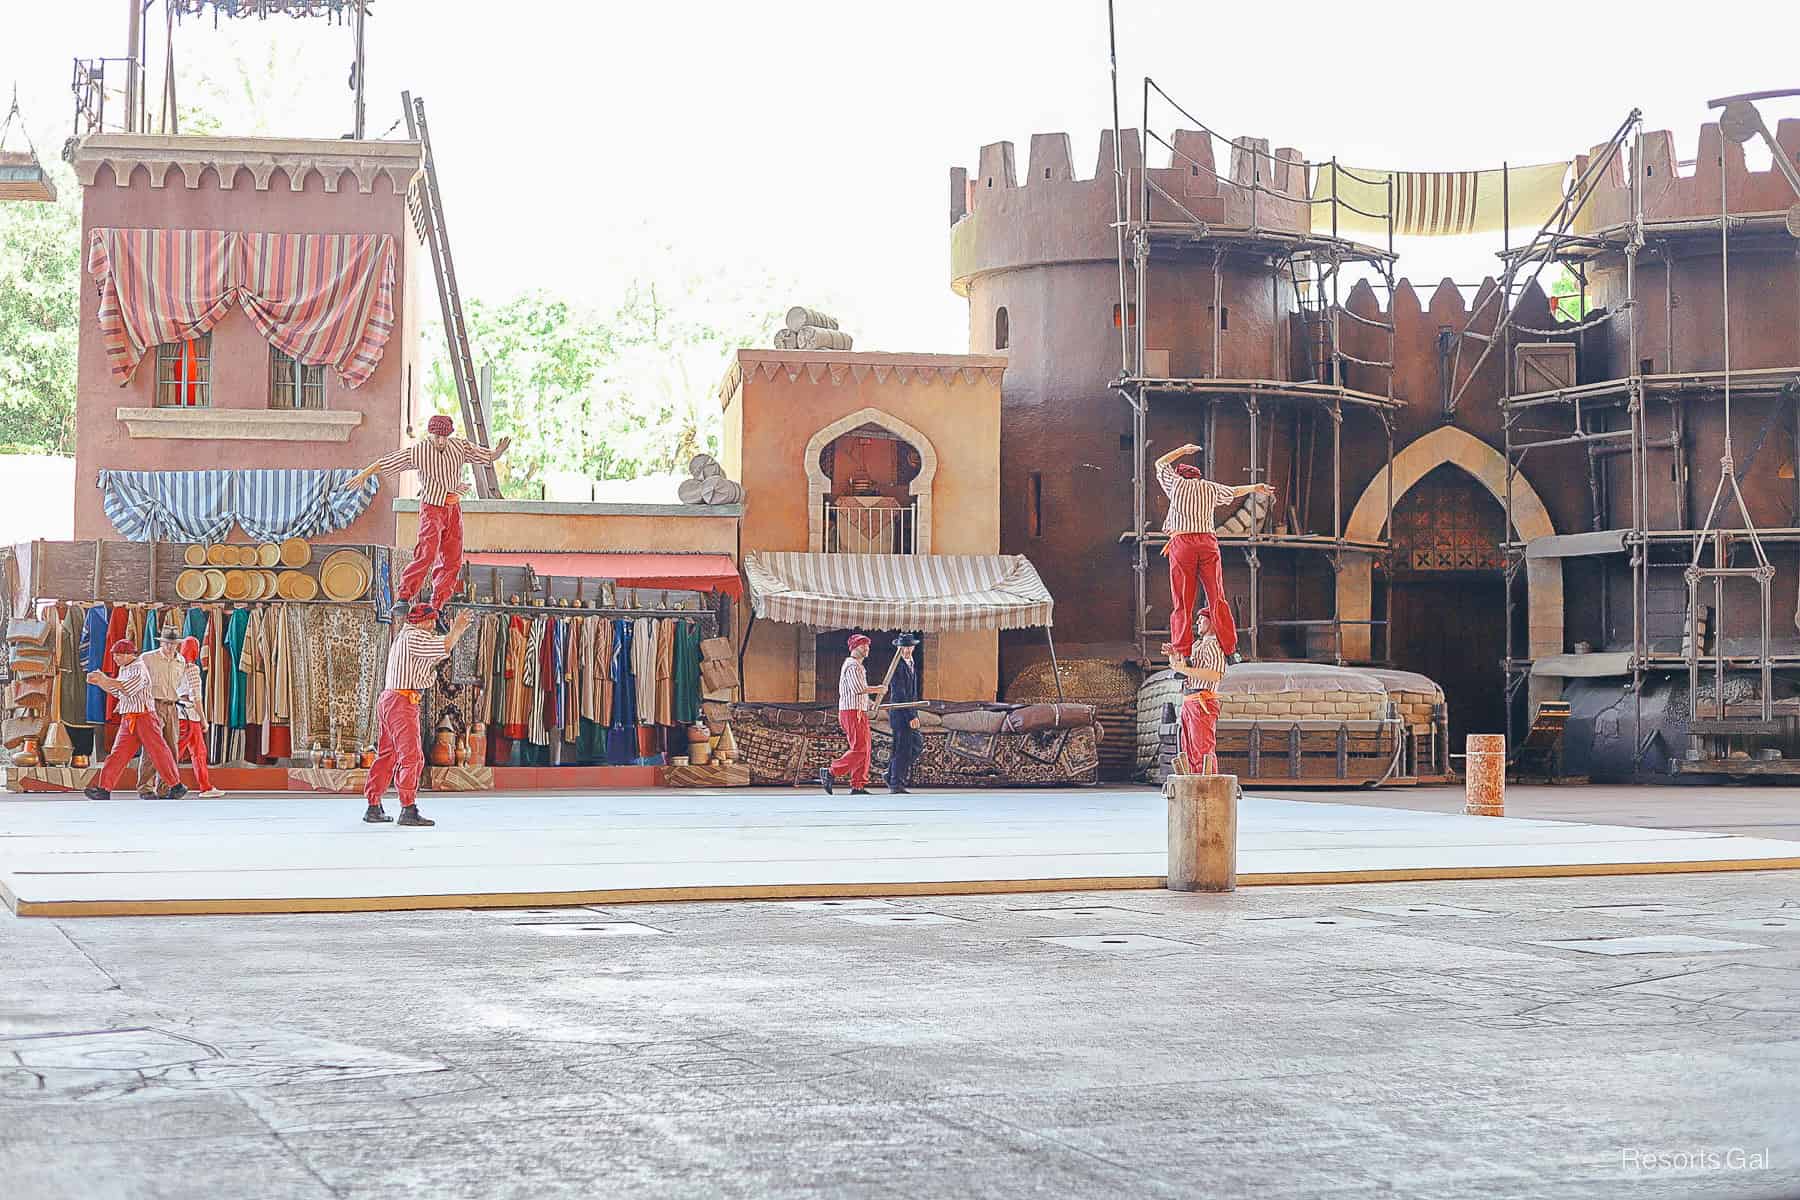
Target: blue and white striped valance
x=202, y=506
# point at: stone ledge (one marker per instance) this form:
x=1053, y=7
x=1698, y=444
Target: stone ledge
x=241, y=424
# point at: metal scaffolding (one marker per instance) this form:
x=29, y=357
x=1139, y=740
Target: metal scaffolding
x=1591, y=410
x=1311, y=265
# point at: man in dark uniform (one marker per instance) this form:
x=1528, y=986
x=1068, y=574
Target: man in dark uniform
x=903, y=723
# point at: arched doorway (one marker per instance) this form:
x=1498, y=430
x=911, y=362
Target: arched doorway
x=1447, y=596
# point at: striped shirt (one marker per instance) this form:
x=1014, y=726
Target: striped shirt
x=853, y=683
x=134, y=689
x=1207, y=657
x=410, y=660
x=1191, y=501
x=191, y=692
x=440, y=469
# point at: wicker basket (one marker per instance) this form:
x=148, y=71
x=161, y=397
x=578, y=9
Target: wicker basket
x=1110, y=686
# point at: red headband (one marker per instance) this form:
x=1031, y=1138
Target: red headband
x=857, y=639
x=190, y=649
x=125, y=646
x=1186, y=471
x=441, y=425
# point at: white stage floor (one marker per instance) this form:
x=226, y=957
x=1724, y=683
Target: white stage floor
x=313, y=854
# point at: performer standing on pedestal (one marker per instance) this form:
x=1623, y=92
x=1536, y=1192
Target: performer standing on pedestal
x=1193, y=551
x=191, y=700
x=164, y=665
x=1200, y=710
x=903, y=723
x=398, y=755
x=137, y=724
x=853, y=718
x=441, y=461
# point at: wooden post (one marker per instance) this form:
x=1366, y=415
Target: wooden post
x=1202, y=832
x=1484, y=780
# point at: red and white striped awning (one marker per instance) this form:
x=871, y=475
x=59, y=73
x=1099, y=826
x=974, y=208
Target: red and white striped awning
x=931, y=593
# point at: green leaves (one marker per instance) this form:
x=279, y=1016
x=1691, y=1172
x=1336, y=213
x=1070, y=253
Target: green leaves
x=40, y=305
x=613, y=396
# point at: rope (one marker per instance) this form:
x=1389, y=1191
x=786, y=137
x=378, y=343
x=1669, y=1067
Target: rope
x=23, y=128
x=1574, y=328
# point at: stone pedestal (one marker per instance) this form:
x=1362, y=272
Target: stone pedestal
x=1203, y=812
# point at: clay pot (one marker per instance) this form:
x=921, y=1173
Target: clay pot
x=478, y=748
x=443, y=745
x=79, y=762
x=327, y=761
x=462, y=752
x=368, y=758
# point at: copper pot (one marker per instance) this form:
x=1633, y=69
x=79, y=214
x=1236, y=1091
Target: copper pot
x=328, y=761
x=443, y=746
x=368, y=758
x=28, y=754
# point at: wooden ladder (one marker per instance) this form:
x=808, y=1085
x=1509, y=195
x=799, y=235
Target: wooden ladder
x=462, y=360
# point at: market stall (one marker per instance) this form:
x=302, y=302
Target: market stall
x=965, y=743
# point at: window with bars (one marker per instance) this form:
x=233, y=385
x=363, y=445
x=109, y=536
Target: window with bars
x=184, y=373
x=293, y=384
x=1448, y=522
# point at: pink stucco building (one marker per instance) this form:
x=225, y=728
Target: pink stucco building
x=229, y=398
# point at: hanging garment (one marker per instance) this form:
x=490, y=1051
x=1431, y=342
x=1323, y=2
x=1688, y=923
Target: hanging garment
x=624, y=677
x=665, y=672
x=571, y=679
x=281, y=678
x=518, y=651
x=149, y=630
x=687, y=674
x=643, y=668
x=535, y=733
x=93, y=658
x=218, y=673
x=339, y=656
x=237, y=629
x=71, y=678
x=603, y=678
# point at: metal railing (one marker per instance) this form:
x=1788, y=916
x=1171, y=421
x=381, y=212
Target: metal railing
x=853, y=528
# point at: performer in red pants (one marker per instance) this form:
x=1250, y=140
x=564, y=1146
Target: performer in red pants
x=441, y=461
x=190, y=694
x=1200, y=710
x=139, y=725
x=399, y=758
x=1193, y=551
x=853, y=718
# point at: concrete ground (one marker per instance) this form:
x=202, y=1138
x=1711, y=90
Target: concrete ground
x=1769, y=812
x=1431, y=1040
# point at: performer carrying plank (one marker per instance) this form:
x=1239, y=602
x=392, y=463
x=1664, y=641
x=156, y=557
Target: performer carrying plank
x=398, y=755
x=1193, y=550
x=440, y=460
x=138, y=725
x=853, y=718
x=1200, y=710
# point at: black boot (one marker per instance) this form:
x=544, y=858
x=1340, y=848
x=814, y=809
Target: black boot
x=825, y=780
x=410, y=815
x=375, y=815
x=177, y=792
x=1234, y=658
x=94, y=791
x=898, y=789
x=859, y=791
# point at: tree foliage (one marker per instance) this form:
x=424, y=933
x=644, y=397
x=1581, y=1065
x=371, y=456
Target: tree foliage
x=40, y=305
x=605, y=395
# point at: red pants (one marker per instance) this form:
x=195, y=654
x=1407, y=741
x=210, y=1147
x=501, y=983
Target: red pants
x=1194, y=560
x=1199, y=732
x=193, y=744
x=854, y=762
x=398, y=755
x=139, y=729
x=440, y=543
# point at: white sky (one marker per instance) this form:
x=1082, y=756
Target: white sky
x=575, y=140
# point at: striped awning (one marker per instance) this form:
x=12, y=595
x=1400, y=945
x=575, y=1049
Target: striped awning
x=931, y=593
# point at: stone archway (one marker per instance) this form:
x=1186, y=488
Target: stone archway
x=1487, y=466
x=818, y=486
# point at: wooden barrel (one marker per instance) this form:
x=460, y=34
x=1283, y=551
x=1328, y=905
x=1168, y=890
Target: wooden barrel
x=691, y=491
x=704, y=466
x=720, y=490
x=815, y=338
x=799, y=317
x=1484, y=781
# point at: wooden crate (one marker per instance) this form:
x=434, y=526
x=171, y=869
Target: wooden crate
x=1309, y=752
x=49, y=779
x=1543, y=366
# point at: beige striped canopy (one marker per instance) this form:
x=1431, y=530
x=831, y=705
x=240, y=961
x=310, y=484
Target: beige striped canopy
x=932, y=593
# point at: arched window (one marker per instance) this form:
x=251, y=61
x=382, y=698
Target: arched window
x=1002, y=329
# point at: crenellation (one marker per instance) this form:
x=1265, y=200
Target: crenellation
x=1131, y=155
x=996, y=167
x=1193, y=157
x=1051, y=159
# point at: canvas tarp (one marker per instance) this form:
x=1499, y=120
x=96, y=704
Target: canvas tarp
x=931, y=593
x=1436, y=203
